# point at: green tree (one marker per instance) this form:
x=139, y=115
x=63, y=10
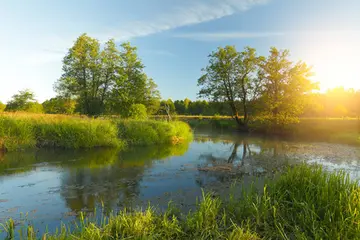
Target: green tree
x=106, y=81
x=138, y=112
x=81, y=76
x=285, y=85
x=231, y=77
x=179, y=107
x=151, y=97
x=59, y=105
x=23, y=101
x=2, y=107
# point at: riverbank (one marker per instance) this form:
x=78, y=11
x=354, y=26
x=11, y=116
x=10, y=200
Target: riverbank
x=305, y=202
x=23, y=130
x=334, y=130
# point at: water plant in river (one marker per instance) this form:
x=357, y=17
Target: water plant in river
x=305, y=202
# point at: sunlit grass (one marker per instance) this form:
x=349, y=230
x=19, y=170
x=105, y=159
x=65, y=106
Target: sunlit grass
x=149, y=132
x=23, y=130
x=19, y=131
x=303, y=203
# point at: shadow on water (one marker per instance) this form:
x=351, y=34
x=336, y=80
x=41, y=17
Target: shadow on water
x=53, y=186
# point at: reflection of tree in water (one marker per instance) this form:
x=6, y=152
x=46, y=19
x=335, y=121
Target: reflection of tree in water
x=113, y=185
x=248, y=157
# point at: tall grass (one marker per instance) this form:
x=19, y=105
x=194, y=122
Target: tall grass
x=303, y=203
x=152, y=132
x=23, y=130
x=19, y=131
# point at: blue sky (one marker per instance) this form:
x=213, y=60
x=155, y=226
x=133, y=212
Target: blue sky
x=174, y=37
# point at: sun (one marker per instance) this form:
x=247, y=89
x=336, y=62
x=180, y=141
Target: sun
x=335, y=60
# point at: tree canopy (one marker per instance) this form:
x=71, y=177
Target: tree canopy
x=24, y=100
x=107, y=80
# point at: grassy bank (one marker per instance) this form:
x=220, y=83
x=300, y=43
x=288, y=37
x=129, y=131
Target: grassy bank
x=303, y=203
x=337, y=130
x=149, y=132
x=23, y=130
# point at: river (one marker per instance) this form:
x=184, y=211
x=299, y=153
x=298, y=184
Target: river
x=50, y=187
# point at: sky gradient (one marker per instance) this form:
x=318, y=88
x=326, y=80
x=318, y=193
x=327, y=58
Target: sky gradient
x=175, y=37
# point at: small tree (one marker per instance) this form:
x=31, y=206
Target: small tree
x=138, y=112
x=23, y=101
x=2, y=107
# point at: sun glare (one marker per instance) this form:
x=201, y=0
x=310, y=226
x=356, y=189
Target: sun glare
x=335, y=62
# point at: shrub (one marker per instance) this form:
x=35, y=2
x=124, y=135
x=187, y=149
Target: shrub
x=2, y=107
x=138, y=112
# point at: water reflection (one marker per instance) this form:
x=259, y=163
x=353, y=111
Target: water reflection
x=57, y=184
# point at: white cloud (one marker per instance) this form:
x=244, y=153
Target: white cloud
x=194, y=13
x=217, y=36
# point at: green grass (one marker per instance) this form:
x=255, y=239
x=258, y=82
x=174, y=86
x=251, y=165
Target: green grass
x=19, y=131
x=305, y=202
x=150, y=132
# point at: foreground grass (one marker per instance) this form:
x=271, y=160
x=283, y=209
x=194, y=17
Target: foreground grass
x=303, y=203
x=23, y=130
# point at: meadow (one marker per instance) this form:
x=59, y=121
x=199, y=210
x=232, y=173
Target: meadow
x=304, y=202
x=20, y=131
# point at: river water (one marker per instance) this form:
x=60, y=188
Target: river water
x=50, y=187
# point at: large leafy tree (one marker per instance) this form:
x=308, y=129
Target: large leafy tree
x=105, y=79
x=231, y=76
x=285, y=86
x=24, y=100
x=82, y=75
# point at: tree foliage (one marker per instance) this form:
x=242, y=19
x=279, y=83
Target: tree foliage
x=285, y=86
x=231, y=77
x=2, y=107
x=138, y=112
x=59, y=105
x=24, y=100
x=107, y=80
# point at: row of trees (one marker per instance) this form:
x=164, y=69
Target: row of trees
x=337, y=102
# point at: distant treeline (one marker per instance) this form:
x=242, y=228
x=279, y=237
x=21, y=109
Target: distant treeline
x=337, y=102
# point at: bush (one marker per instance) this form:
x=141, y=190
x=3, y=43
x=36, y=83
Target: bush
x=138, y=112
x=2, y=107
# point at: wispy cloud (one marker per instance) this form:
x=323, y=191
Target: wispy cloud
x=218, y=36
x=194, y=13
